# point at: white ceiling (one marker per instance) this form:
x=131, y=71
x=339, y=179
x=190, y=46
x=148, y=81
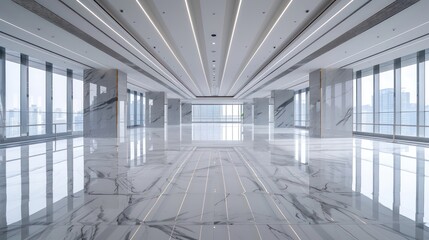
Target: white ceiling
x=255, y=40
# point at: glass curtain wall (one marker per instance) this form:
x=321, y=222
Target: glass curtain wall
x=426, y=104
x=38, y=116
x=217, y=113
x=367, y=103
x=77, y=103
x=386, y=103
x=13, y=96
x=392, y=98
x=135, y=108
x=36, y=99
x=59, y=101
x=302, y=107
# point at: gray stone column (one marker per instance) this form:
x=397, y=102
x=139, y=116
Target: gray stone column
x=331, y=103
x=173, y=116
x=261, y=111
x=284, y=108
x=155, y=109
x=247, y=113
x=186, y=113
x=105, y=103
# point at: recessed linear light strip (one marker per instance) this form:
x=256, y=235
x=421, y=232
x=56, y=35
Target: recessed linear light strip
x=141, y=53
x=198, y=47
x=378, y=44
x=44, y=39
x=230, y=44
x=392, y=50
x=293, y=49
x=168, y=45
x=260, y=45
x=41, y=49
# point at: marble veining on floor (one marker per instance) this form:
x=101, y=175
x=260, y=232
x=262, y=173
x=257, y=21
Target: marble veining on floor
x=240, y=182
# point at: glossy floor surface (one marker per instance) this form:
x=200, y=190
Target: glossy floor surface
x=214, y=181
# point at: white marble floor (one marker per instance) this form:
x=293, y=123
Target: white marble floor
x=214, y=181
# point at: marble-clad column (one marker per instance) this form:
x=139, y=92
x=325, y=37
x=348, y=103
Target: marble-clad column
x=261, y=111
x=331, y=103
x=173, y=116
x=284, y=108
x=105, y=103
x=155, y=109
x=186, y=113
x=247, y=113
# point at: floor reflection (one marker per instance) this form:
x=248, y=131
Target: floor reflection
x=277, y=178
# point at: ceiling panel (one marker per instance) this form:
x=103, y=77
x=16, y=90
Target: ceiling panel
x=229, y=48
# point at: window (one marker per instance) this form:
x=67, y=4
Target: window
x=39, y=85
x=303, y=109
x=13, y=101
x=386, y=102
x=37, y=100
x=138, y=105
x=217, y=113
x=297, y=113
x=427, y=94
x=77, y=102
x=367, y=107
x=59, y=102
x=132, y=102
x=408, y=113
x=397, y=98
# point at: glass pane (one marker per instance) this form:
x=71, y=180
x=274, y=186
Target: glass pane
x=303, y=107
x=132, y=102
x=386, y=103
x=13, y=101
x=297, y=113
x=427, y=93
x=367, y=97
x=37, y=101
x=138, y=105
x=217, y=113
x=77, y=104
x=59, y=103
x=409, y=96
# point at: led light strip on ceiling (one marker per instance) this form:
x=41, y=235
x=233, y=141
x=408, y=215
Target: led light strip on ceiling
x=230, y=43
x=378, y=44
x=198, y=47
x=42, y=50
x=293, y=49
x=260, y=45
x=130, y=44
x=57, y=45
x=168, y=45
